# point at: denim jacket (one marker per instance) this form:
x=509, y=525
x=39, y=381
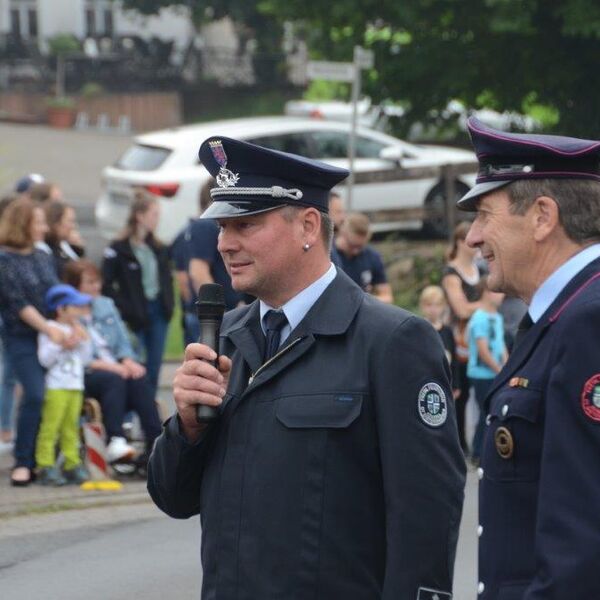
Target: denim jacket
x=108, y=323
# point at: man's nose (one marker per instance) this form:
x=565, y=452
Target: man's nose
x=473, y=239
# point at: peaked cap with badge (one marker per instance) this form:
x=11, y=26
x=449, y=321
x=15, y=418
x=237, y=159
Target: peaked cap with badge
x=506, y=157
x=252, y=179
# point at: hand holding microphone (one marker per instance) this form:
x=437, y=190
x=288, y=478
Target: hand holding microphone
x=199, y=385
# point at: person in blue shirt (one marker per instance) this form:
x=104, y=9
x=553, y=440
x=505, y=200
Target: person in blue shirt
x=487, y=353
x=361, y=262
x=205, y=262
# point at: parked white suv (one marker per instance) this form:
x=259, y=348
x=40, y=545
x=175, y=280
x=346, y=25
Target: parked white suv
x=166, y=164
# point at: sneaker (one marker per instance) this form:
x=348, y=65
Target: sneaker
x=76, y=475
x=51, y=476
x=118, y=450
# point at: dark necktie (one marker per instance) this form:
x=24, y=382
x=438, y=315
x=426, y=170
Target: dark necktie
x=274, y=321
x=524, y=327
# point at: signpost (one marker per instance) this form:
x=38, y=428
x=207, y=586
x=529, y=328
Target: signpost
x=350, y=73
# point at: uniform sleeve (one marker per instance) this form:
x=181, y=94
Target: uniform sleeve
x=378, y=269
x=422, y=462
x=175, y=470
x=203, y=241
x=567, y=534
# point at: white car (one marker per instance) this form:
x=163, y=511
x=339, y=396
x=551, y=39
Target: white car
x=166, y=164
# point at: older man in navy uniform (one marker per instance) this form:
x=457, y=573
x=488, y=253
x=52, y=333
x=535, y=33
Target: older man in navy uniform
x=537, y=199
x=334, y=470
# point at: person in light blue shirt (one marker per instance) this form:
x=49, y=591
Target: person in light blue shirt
x=487, y=354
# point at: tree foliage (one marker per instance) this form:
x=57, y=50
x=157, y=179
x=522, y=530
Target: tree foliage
x=535, y=55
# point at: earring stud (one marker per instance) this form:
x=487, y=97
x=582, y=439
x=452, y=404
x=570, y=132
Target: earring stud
x=306, y=247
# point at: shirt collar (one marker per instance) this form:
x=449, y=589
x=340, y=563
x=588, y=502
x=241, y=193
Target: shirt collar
x=547, y=293
x=296, y=308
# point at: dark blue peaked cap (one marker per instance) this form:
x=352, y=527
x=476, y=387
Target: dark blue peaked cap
x=252, y=179
x=506, y=157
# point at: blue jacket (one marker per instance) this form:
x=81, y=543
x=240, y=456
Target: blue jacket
x=108, y=323
x=539, y=494
x=321, y=480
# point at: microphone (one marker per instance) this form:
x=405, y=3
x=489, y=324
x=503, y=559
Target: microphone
x=210, y=308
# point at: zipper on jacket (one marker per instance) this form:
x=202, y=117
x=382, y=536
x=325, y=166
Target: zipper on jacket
x=273, y=358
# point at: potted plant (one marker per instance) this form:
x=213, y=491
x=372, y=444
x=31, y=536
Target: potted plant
x=61, y=109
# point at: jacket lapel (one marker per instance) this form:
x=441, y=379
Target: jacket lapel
x=331, y=314
x=530, y=341
x=247, y=337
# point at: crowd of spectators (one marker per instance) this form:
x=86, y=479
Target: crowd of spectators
x=131, y=302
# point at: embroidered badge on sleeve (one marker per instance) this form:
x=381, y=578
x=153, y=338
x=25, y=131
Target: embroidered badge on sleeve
x=590, y=398
x=432, y=405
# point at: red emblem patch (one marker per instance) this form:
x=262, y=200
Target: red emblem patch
x=590, y=398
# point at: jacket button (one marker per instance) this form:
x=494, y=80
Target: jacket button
x=488, y=419
x=480, y=587
x=480, y=473
x=479, y=530
x=505, y=410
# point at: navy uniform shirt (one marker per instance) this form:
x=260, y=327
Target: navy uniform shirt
x=365, y=269
x=202, y=244
x=179, y=252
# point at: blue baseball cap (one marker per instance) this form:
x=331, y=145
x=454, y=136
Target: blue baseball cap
x=507, y=157
x=252, y=179
x=26, y=182
x=65, y=295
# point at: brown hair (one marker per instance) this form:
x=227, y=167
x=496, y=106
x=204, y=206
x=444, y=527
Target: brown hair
x=357, y=223
x=5, y=201
x=142, y=201
x=75, y=269
x=459, y=234
x=205, y=199
x=40, y=192
x=55, y=211
x=15, y=225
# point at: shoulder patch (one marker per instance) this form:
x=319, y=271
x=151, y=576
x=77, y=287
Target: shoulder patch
x=432, y=405
x=590, y=398
x=109, y=253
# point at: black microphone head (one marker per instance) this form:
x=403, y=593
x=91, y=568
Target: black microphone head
x=211, y=300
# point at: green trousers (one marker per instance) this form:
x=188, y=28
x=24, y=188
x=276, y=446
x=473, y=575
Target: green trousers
x=60, y=423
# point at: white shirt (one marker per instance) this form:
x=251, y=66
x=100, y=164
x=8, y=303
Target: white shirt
x=296, y=308
x=65, y=368
x=547, y=293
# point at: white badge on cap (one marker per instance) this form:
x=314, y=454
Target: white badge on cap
x=225, y=177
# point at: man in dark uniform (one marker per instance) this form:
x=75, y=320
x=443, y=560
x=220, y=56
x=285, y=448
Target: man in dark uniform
x=334, y=470
x=537, y=200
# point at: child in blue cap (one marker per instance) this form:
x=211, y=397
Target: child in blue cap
x=64, y=386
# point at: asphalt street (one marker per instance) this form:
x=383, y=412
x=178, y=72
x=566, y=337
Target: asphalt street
x=125, y=552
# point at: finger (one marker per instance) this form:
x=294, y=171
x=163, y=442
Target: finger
x=187, y=398
x=200, y=368
x=199, y=351
x=191, y=382
x=224, y=364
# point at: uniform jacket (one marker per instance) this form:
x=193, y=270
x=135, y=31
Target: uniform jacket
x=540, y=506
x=321, y=480
x=122, y=275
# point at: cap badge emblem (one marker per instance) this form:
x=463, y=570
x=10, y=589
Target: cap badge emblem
x=225, y=177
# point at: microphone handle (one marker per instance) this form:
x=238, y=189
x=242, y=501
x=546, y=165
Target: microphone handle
x=209, y=336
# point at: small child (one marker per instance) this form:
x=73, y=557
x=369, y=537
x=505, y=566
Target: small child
x=487, y=354
x=433, y=307
x=64, y=387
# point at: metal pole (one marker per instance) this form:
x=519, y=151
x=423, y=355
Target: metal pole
x=352, y=141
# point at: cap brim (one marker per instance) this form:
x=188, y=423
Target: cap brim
x=469, y=201
x=229, y=209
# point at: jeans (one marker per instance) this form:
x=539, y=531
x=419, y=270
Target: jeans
x=481, y=388
x=152, y=338
x=117, y=396
x=30, y=374
x=191, y=327
x=7, y=392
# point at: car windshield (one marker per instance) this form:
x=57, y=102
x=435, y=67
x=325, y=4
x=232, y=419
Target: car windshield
x=142, y=158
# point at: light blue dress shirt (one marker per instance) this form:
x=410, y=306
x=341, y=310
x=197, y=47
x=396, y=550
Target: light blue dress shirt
x=296, y=308
x=547, y=293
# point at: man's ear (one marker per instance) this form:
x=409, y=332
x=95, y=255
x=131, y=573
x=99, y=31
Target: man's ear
x=311, y=226
x=545, y=217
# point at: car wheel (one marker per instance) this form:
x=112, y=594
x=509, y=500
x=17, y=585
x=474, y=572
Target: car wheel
x=435, y=223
